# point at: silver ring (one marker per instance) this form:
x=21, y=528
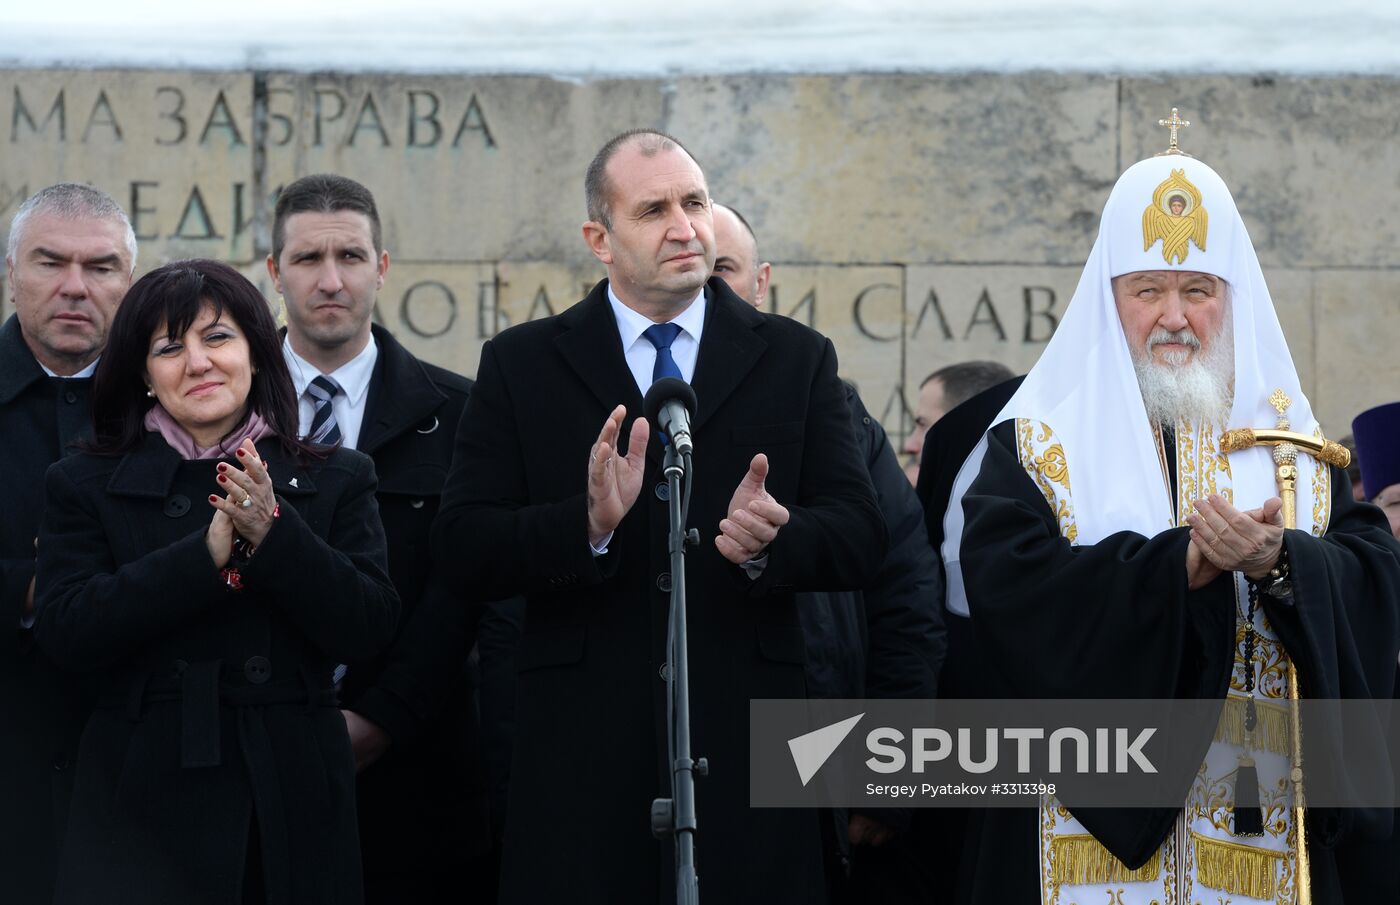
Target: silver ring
x=247, y=502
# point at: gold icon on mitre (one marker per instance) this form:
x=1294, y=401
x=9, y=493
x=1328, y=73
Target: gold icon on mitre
x=1176, y=217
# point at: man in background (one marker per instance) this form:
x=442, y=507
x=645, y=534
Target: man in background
x=410, y=713
x=883, y=641
x=69, y=262
x=940, y=393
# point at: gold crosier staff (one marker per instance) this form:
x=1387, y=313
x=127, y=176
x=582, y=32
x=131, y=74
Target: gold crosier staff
x=1286, y=446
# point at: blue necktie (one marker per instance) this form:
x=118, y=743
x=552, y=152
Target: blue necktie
x=661, y=336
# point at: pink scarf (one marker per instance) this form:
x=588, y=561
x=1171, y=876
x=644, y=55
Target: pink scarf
x=158, y=419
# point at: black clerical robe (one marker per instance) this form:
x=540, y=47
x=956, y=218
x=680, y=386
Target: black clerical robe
x=1116, y=619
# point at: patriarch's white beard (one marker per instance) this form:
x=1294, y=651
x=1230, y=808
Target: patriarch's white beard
x=1199, y=390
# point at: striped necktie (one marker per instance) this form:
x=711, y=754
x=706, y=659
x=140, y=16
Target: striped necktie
x=323, y=430
x=662, y=336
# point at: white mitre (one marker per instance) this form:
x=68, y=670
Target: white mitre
x=1084, y=386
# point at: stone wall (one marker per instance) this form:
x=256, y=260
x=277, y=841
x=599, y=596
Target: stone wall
x=917, y=220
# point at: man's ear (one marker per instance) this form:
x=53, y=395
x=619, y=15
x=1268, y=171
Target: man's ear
x=765, y=272
x=383, y=268
x=596, y=235
x=272, y=272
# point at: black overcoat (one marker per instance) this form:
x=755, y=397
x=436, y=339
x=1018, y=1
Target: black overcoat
x=422, y=806
x=42, y=708
x=216, y=722
x=590, y=732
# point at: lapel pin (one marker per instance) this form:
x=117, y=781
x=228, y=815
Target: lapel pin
x=293, y=482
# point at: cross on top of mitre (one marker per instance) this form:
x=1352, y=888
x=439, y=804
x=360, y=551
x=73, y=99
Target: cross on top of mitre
x=1174, y=123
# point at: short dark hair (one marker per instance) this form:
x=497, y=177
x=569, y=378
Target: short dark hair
x=966, y=379
x=597, y=188
x=323, y=193
x=173, y=296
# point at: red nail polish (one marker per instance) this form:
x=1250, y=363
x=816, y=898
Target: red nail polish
x=213, y=499
x=240, y=453
x=223, y=480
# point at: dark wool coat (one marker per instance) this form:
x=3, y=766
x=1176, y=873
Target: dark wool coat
x=42, y=708
x=216, y=724
x=422, y=806
x=590, y=747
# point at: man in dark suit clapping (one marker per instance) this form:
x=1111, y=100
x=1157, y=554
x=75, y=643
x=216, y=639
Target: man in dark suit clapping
x=556, y=491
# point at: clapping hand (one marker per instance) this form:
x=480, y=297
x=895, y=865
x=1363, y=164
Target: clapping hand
x=754, y=517
x=1231, y=540
x=250, y=504
x=614, y=481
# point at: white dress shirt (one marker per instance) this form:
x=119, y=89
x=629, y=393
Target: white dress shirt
x=641, y=354
x=641, y=359
x=348, y=406
x=85, y=372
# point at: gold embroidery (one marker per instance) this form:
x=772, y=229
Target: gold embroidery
x=1270, y=734
x=1049, y=470
x=1054, y=466
x=1201, y=468
x=1235, y=868
x=1215, y=463
x=1187, y=494
x=1078, y=858
x=1271, y=679
x=1322, y=495
x=1176, y=217
x=1049, y=892
x=1188, y=868
x=1287, y=890
x=1170, y=882
x=1213, y=800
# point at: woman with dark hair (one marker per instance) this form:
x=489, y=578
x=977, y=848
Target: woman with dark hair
x=215, y=570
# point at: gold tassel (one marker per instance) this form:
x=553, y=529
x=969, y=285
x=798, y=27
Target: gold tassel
x=1241, y=870
x=1271, y=733
x=1080, y=859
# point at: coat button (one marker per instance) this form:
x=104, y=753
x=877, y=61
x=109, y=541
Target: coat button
x=177, y=506
x=415, y=504
x=257, y=670
x=664, y=672
x=70, y=397
x=663, y=491
x=178, y=667
x=663, y=582
x=60, y=762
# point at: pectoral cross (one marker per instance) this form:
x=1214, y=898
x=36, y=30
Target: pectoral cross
x=1286, y=445
x=1174, y=123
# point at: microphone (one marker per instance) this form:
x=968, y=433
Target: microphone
x=669, y=404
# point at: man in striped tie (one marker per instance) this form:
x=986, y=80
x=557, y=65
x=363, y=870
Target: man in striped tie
x=410, y=716
x=540, y=501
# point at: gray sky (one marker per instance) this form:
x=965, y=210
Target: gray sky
x=643, y=38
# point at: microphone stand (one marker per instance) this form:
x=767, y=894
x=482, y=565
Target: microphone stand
x=675, y=816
